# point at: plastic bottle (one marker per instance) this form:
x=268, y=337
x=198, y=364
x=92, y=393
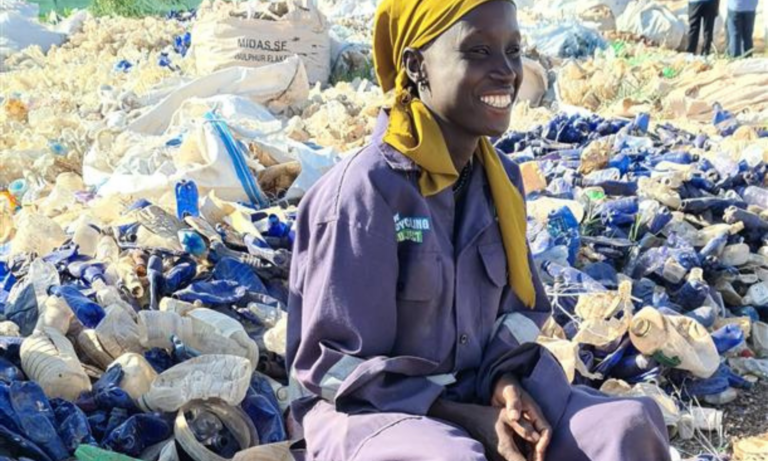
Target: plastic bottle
x=213, y=431
x=118, y=333
x=56, y=314
x=91, y=453
x=157, y=327
x=735, y=255
x=17, y=189
x=192, y=242
x=694, y=291
x=757, y=295
x=275, y=339
x=704, y=236
x=723, y=398
x=138, y=374
x=43, y=275
x=727, y=337
x=187, y=199
x=715, y=246
x=754, y=195
x=35, y=417
x=49, y=359
x=675, y=341
x=36, y=233
x=127, y=272
x=571, y=276
x=650, y=188
x=224, y=377
x=87, y=312
x=86, y=237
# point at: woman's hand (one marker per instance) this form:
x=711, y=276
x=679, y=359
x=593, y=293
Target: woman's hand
x=522, y=414
x=487, y=425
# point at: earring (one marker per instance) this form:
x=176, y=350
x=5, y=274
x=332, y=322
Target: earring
x=423, y=85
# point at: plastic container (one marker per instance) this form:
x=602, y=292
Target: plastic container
x=727, y=338
x=118, y=333
x=157, y=327
x=48, y=358
x=138, y=374
x=55, y=313
x=86, y=237
x=224, y=377
x=43, y=275
x=201, y=426
x=758, y=196
x=675, y=341
x=735, y=255
x=36, y=233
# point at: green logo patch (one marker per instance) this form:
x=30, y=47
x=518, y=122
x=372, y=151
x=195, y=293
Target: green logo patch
x=411, y=228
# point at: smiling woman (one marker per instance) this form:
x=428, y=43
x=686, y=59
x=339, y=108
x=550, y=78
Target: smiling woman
x=414, y=303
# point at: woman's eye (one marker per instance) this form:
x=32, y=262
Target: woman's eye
x=480, y=51
x=513, y=51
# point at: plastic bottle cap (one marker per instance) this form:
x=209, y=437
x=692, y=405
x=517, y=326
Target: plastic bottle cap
x=641, y=327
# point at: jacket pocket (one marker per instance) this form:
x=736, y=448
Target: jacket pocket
x=495, y=262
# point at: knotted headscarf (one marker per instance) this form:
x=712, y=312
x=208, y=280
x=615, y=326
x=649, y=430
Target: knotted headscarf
x=413, y=131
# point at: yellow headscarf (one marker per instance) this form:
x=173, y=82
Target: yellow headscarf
x=412, y=130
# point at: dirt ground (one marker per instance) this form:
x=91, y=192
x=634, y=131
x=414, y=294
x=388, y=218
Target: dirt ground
x=745, y=417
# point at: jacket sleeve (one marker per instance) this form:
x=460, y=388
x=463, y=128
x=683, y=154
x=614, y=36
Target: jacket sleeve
x=343, y=287
x=515, y=325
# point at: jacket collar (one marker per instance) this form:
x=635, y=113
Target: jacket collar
x=394, y=158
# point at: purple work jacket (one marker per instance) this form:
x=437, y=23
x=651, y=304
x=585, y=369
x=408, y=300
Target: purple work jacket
x=390, y=310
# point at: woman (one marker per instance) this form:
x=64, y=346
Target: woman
x=414, y=302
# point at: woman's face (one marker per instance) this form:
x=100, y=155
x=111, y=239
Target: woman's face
x=475, y=69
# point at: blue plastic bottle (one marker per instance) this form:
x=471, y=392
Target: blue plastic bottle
x=87, y=312
x=187, y=199
x=727, y=337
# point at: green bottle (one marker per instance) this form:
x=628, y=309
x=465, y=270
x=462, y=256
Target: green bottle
x=91, y=453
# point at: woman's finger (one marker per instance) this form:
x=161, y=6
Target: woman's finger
x=540, y=448
x=514, y=402
x=525, y=430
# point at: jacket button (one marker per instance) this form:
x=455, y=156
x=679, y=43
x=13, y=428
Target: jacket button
x=463, y=339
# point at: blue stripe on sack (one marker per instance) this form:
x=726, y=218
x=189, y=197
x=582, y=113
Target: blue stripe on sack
x=251, y=187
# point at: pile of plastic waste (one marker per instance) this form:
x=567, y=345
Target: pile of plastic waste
x=652, y=245
x=627, y=79
x=160, y=325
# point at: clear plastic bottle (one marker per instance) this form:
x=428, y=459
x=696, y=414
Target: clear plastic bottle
x=653, y=189
x=48, y=358
x=735, y=255
x=757, y=295
x=758, y=196
x=43, y=275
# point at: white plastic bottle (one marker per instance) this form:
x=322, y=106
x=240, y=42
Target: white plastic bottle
x=48, y=358
x=679, y=341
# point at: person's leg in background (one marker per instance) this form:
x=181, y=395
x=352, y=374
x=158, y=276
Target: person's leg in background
x=748, y=30
x=695, y=11
x=711, y=12
x=733, y=30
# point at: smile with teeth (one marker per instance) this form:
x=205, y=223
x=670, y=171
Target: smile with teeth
x=498, y=101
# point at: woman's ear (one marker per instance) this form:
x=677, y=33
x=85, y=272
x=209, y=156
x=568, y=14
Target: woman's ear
x=413, y=63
